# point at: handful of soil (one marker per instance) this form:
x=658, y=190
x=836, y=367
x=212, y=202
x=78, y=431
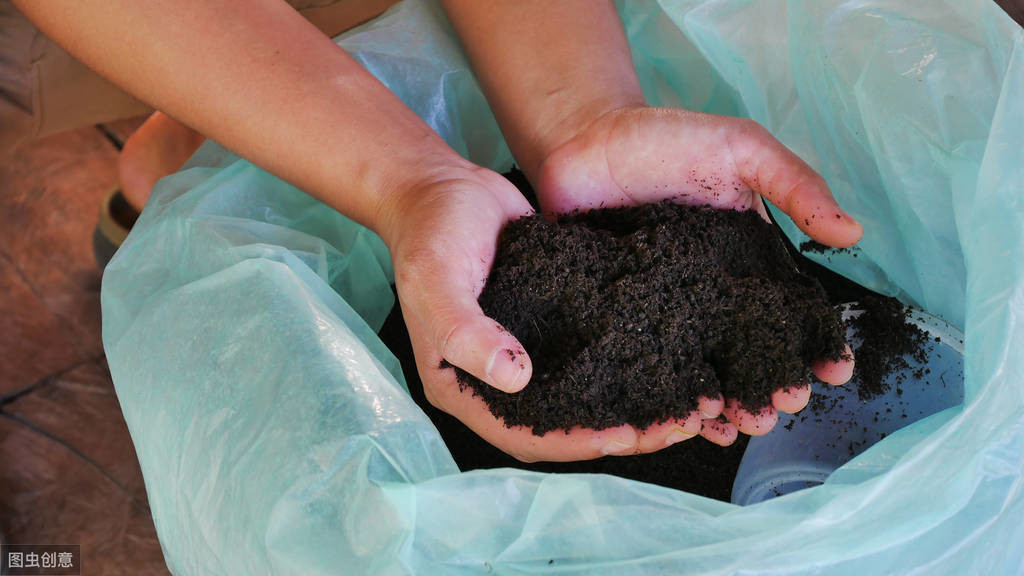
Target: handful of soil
x=631, y=314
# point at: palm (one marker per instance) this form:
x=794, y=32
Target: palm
x=645, y=155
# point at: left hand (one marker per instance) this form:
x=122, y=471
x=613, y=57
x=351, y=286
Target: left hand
x=638, y=155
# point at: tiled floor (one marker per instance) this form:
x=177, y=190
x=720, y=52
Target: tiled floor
x=68, y=472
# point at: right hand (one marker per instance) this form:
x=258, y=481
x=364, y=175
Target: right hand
x=637, y=155
x=443, y=234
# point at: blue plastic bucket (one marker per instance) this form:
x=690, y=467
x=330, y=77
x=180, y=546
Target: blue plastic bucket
x=837, y=426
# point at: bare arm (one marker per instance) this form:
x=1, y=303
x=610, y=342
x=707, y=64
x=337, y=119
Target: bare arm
x=258, y=78
x=560, y=78
x=548, y=68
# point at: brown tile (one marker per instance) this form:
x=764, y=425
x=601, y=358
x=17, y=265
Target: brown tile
x=52, y=495
x=51, y=192
x=34, y=343
x=80, y=408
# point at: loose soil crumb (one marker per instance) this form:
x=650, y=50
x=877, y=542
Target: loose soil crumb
x=631, y=314
x=814, y=247
x=887, y=340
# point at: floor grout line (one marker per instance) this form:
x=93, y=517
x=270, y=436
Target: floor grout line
x=21, y=274
x=64, y=320
x=13, y=396
x=111, y=136
x=53, y=438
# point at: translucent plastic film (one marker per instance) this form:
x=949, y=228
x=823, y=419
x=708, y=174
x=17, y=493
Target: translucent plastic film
x=274, y=429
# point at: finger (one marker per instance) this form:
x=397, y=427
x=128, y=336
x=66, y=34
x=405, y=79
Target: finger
x=710, y=407
x=751, y=422
x=658, y=436
x=467, y=338
x=718, y=432
x=835, y=372
x=774, y=171
x=460, y=332
x=792, y=399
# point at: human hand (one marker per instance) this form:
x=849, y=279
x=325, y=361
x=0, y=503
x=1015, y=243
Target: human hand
x=443, y=234
x=637, y=155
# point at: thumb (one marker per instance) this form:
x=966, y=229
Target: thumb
x=463, y=335
x=775, y=172
x=467, y=338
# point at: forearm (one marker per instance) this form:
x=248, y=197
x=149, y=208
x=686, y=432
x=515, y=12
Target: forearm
x=262, y=81
x=548, y=68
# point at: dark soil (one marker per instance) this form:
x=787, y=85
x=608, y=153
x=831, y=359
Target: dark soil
x=887, y=341
x=886, y=336
x=631, y=314
x=815, y=247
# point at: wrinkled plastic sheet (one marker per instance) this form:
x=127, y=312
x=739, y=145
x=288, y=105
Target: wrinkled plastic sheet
x=275, y=431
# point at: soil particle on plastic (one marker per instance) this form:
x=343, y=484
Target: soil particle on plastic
x=814, y=247
x=631, y=314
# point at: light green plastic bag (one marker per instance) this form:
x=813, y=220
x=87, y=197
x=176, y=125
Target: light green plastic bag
x=275, y=432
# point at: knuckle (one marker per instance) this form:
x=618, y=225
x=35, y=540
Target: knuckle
x=751, y=128
x=448, y=332
x=819, y=181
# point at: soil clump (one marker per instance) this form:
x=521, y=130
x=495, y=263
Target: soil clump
x=888, y=340
x=631, y=314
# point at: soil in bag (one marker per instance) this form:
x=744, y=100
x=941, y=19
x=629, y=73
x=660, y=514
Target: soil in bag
x=629, y=315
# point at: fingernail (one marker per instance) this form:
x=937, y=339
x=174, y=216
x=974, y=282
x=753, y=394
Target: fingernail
x=706, y=415
x=505, y=368
x=617, y=447
x=844, y=215
x=676, y=436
